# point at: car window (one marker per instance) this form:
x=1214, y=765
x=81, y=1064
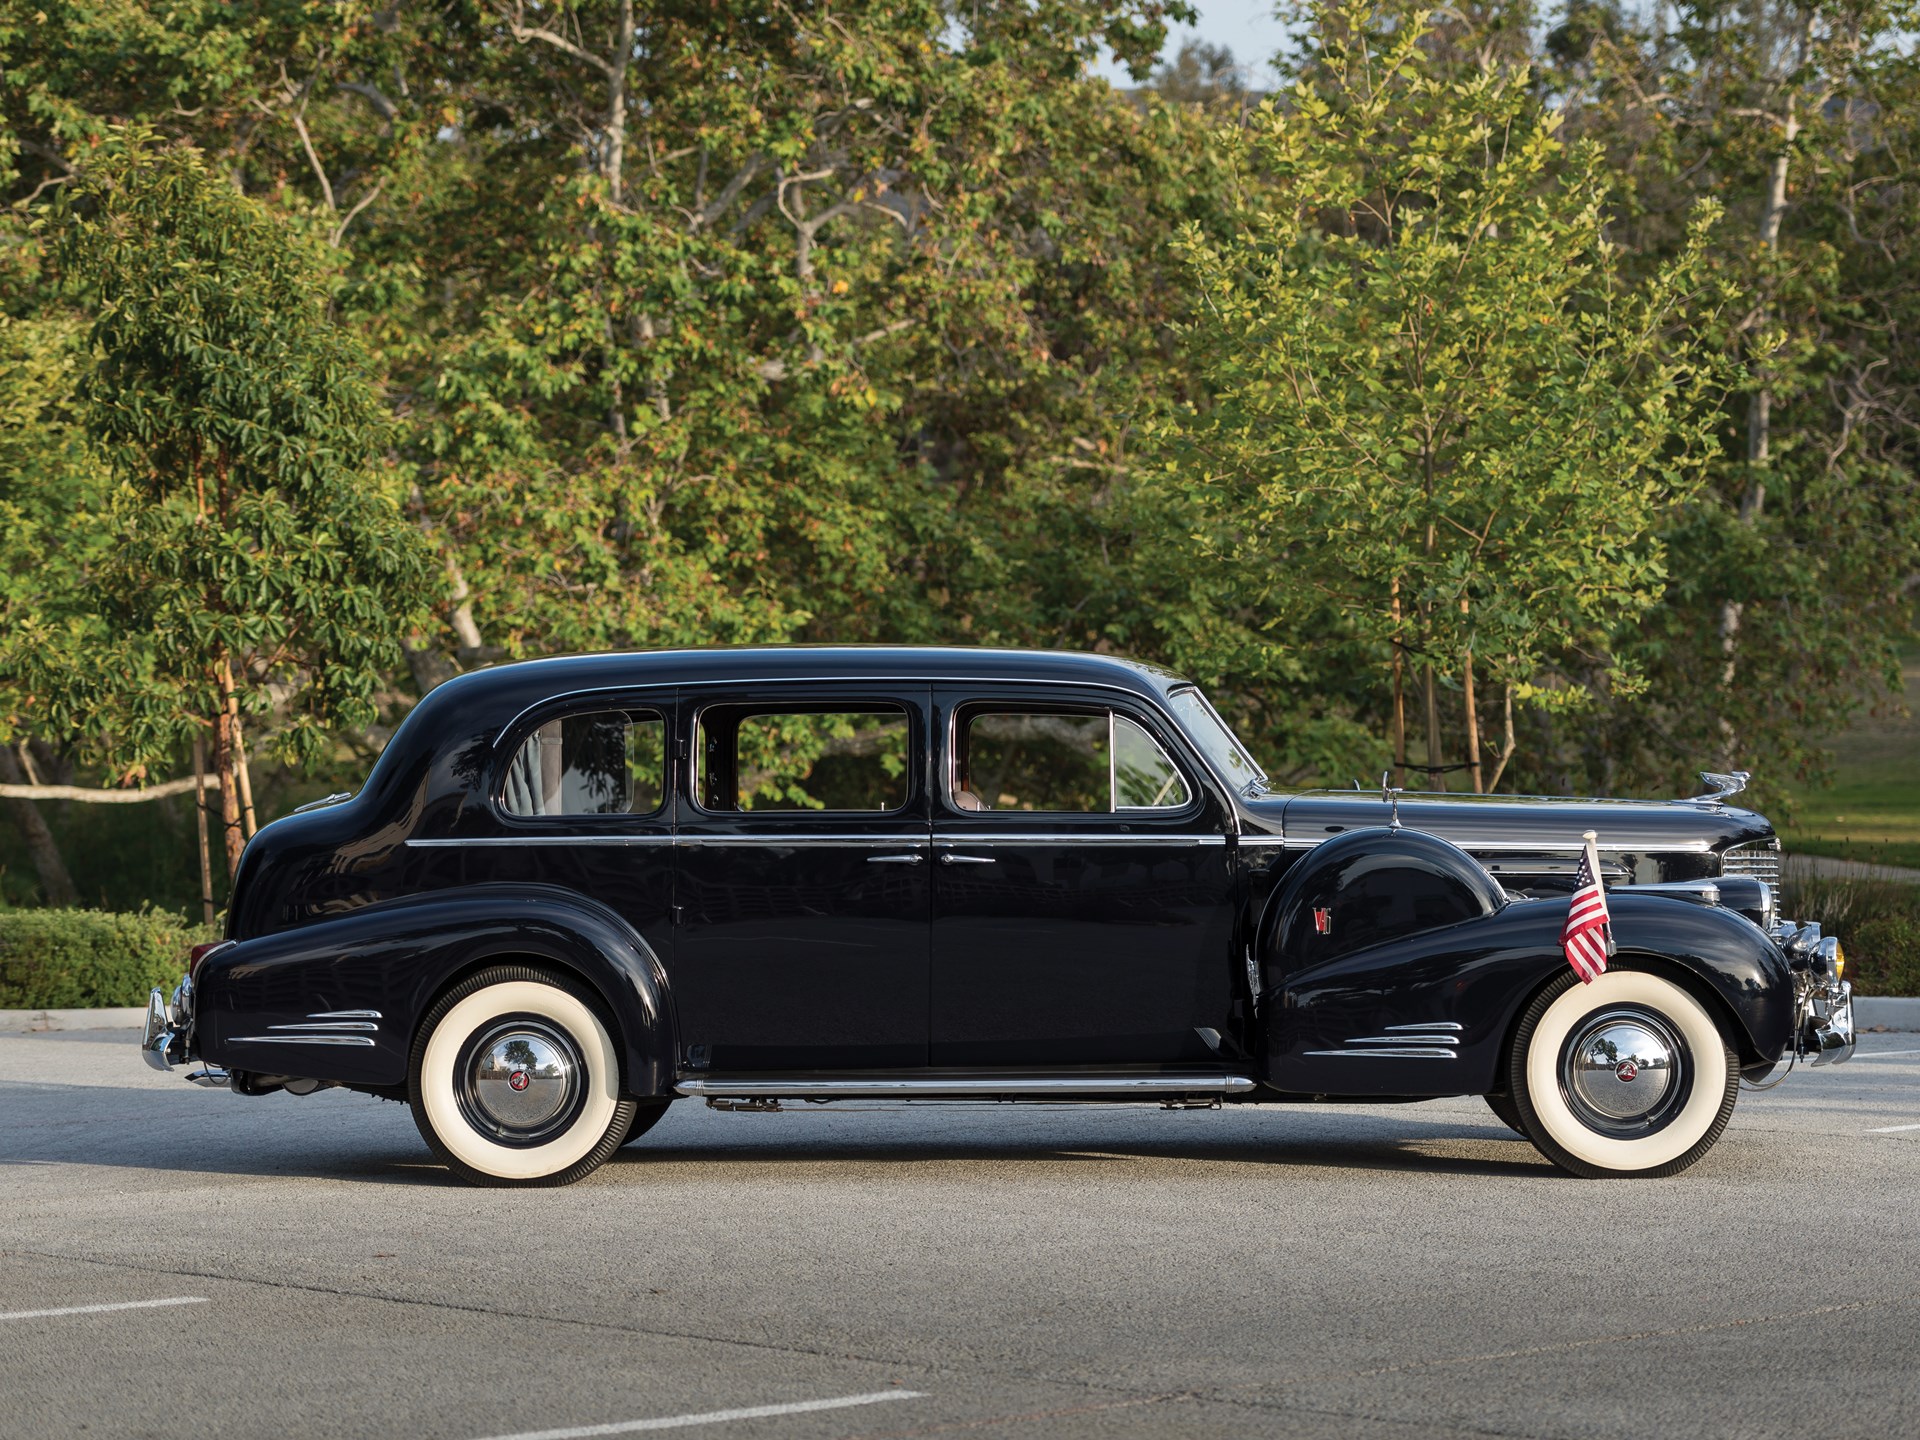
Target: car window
x=1143, y=777
x=1207, y=730
x=770, y=761
x=606, y=762
x=1063, y=762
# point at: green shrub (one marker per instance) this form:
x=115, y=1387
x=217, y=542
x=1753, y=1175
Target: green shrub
x=1883, y=956
x=77, y=959
x=1878, y=923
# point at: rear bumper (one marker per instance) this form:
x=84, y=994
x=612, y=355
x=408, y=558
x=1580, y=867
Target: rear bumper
x=163, y=1043
x=167, y=1041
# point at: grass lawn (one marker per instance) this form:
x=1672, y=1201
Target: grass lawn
x=1872, y=811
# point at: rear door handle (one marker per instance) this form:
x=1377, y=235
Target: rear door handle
x=893, y=860
x=951, y=859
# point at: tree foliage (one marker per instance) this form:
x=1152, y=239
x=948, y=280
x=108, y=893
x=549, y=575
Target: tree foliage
x=252, y=542
x=1441, y=430
x=854, y=321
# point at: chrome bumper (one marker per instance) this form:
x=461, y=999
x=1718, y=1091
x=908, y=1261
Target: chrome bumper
x=1826, y=1024
x=169, y=1031
x=163, y=1044
x=1823, y=1001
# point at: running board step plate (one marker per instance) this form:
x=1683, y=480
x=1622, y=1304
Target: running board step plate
x=960, y=1087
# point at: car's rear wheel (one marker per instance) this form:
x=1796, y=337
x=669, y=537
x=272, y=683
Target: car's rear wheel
x=515, y=1079
x=1627, y=1076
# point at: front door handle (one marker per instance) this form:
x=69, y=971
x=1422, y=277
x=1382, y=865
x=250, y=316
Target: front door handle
x=893, y=860
x=951, y=859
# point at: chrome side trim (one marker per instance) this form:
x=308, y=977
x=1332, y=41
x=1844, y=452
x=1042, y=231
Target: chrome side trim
x=329, y=1025
x=913, y=1087
x=1409, y=1052
x=896, y=839
x=965, y=838
x=1423, y=1039
x=540, y=840
x=300, y=1040
x=344, y=1015
x=1427, y=1025
x=1479, y=847
x=839, y=839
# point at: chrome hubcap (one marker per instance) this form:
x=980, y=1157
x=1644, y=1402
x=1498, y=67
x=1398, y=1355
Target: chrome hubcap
x=520, y=1081
x=1623, y=1071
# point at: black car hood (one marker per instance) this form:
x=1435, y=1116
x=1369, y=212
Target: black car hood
x=1474, y=822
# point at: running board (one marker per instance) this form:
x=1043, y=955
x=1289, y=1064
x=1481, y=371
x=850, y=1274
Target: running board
x=962, y=1087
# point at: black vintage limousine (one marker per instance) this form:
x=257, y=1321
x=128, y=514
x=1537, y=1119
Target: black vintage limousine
x=574, y=890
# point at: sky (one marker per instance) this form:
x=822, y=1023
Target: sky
x=1246, y=27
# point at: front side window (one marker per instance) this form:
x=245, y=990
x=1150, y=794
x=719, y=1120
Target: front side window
x=766, y=762
x=607, y=762
x=1062, y=762
x=1219, y=744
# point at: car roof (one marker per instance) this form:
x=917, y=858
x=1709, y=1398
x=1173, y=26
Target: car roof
x=732, y=664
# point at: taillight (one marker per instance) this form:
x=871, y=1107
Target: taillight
x=199, y=953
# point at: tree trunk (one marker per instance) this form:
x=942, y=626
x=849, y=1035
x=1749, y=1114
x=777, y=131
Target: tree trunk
x=244, y=775
x=1473, y=721
x=1507, y=745
x=56, y=884
x=1760, y=411
x=232, y=833
x=1399, y=736
x=200, y=823
x=1436, y=777
x=616, y=161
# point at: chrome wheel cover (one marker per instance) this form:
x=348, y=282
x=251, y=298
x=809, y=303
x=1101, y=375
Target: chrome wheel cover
x=520, y=1080
x=1624, y=1072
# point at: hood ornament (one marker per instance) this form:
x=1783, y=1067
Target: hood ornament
x=1390, y=795
x=1722, y=785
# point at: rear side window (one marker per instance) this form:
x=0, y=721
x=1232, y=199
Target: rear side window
x=770, y=761
x=1062, y=762
x=606, y=762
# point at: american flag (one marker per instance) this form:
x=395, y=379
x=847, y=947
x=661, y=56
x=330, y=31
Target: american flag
x=1588, y=936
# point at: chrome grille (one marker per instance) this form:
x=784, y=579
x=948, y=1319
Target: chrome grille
x=1761, y=860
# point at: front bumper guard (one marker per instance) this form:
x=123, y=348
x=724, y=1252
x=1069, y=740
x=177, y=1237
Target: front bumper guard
x=1823, y=1028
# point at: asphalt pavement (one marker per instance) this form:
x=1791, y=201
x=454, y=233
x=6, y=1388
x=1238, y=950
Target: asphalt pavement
x=179, y=1262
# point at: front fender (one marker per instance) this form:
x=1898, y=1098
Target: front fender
x=1465, y=985
x=285, y=1003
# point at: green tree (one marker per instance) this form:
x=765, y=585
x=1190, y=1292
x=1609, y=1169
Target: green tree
x=253, y=544
x=1442, y=429
x=1803, y=545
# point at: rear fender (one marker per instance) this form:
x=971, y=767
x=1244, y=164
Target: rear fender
x=290, y=1003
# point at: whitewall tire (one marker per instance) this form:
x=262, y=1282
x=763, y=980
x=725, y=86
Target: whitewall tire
x=1630, y=1075
x=515, y=1079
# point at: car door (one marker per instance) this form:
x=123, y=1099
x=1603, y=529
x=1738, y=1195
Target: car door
x=801, y=896
x=581, y=801
x=1083, y=886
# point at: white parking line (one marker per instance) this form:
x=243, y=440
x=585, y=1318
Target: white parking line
x=1885, y=1054
x=1891, y=1129
x=99, y=1309
x=717, y=1417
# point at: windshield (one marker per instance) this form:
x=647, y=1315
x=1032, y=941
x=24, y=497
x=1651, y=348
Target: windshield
x=1207, y=730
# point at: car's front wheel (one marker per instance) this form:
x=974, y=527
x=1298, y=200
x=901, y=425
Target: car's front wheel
x=1629, y=1075
x=515, y=1079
